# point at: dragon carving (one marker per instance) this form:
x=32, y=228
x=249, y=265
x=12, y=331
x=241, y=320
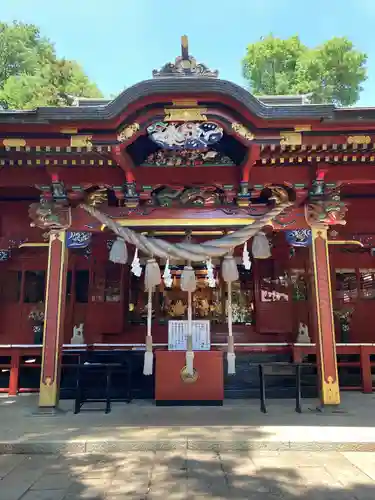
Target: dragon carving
x=326, y=210
x=168, y=196
x=50, y=216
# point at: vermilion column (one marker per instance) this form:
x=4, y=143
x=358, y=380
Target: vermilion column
x=54, y=320
x=324, y=323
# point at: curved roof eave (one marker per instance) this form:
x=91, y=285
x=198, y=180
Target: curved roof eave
x=187, y=85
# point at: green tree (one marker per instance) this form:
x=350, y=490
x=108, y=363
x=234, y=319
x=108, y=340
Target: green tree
x=331, y=72
x=31, y=75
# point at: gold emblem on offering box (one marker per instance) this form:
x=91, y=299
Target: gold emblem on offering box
x=188, y=379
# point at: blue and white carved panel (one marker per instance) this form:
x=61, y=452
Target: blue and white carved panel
x=76, y=239
x=189, y=135
x=4, y=255
x=299, y=237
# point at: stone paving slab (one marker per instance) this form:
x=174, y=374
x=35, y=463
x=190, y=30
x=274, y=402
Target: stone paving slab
x=190, y=475
x=141, y=426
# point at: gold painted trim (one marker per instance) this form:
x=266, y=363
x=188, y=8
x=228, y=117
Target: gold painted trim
x=33, y=245
x=183, y=233
x=346, y=242
x=183, y=222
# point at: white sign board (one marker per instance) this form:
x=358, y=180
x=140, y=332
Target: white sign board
x=178, y=332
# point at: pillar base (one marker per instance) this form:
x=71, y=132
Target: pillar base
x=48, y=411
x=328, y=410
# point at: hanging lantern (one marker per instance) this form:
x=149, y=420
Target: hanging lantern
x=261, y=246
x=119, y=253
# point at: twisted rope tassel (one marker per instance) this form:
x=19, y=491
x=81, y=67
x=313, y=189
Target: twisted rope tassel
x=230, y=274
x=148, y=360
x=152, y=279
x=189, y=285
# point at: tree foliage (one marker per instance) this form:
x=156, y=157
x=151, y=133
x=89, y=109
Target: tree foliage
x=332, y=72
x=32, y=75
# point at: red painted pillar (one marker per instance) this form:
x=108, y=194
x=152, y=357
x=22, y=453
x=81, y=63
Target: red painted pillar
x=324, y=325
x=54, y=320
x=366, y=370
x=14, y=372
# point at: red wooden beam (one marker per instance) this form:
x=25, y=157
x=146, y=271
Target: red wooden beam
x=253, y=157
x=71, y=176
x=123, y=160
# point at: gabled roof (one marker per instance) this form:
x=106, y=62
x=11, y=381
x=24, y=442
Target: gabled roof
x=99, y=110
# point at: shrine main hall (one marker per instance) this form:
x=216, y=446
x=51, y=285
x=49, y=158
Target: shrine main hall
x=187, y=233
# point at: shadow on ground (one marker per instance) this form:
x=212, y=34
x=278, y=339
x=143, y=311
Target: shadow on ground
x=179, y=475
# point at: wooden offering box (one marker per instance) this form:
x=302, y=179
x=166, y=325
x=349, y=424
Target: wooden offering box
x=174, y=387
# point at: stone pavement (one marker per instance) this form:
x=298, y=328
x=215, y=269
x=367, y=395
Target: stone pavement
x=190, y=474
x=140, y=426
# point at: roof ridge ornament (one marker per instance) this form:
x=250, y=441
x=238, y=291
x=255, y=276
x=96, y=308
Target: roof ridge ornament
x=185, y=66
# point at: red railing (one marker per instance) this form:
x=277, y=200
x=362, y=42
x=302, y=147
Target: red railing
x=298, y=351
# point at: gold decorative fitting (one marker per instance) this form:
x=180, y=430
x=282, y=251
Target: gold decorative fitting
x=290, y=139
x=184, y=102
x=331, y=391
x=69, y=131
x=185, y=114
x=242, y=131
x=302, y=128
x=128, y=132
x=14, y=143
x=80, y=141
x=358, y=139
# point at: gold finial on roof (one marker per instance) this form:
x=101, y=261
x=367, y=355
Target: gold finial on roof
x=184, y=65
x=184, y=42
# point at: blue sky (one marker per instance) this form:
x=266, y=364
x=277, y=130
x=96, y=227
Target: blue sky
x=119, y=42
